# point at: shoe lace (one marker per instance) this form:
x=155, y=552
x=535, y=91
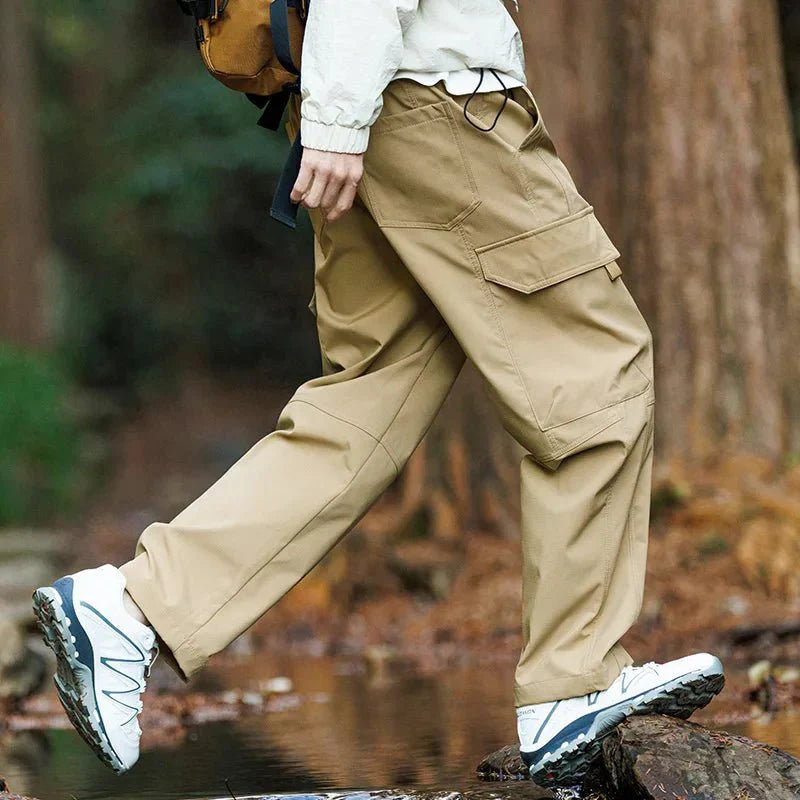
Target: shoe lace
x=636, y=667
x=154, y=653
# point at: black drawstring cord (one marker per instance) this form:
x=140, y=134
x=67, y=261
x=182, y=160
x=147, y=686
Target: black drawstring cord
x=475, y=91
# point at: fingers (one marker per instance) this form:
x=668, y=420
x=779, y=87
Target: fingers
x=343, y=203
x=328, y=181
x=343, y=185
x=304, y=180
x=323, y=176
x=333, y=189
x=312, y=180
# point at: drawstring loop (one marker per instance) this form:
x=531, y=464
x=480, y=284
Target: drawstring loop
x=472, y=96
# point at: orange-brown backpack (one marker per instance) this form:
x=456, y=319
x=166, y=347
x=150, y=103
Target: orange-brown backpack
x=255, y=47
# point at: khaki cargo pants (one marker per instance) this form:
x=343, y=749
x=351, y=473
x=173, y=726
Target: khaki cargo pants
x=461, y=243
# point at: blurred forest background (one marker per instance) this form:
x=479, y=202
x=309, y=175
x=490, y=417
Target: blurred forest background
x=153, y=318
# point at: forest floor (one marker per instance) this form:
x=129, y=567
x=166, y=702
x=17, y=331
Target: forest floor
x=721, y=576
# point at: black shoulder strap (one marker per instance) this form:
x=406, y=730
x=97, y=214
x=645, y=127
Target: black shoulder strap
x=283, y=209
x=281, y=40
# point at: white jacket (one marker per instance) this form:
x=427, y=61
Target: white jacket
x=353, y=48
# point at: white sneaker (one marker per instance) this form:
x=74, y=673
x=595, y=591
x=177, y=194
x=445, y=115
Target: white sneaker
x=561, y=741
x=104, y=656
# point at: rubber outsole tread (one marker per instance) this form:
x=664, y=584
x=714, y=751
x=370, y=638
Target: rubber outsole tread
x=573, y=765
x=70, y=684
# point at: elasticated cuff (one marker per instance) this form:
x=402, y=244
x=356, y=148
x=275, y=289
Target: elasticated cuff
x=333, y=138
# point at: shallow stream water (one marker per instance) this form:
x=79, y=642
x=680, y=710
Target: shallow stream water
x=343, y=726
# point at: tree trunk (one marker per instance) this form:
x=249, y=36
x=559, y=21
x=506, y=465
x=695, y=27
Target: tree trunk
x=22, y=239
x=674, y=119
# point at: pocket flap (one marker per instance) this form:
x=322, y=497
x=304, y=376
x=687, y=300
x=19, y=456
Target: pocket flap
x=547, y=255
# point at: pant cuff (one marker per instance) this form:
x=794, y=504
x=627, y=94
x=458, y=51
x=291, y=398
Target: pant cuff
x=175, y=637
x=550, y=690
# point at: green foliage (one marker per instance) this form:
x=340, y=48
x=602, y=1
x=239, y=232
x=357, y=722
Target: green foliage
x=112, y=338
x=38, y=456
x=161, y=185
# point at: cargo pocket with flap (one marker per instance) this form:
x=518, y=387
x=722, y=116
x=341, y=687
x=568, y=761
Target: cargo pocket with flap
x=577, y=338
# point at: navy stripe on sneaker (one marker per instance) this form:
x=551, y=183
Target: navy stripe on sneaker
x=581, y=725
x=64, y=587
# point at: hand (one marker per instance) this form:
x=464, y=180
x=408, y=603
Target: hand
x=328, y=180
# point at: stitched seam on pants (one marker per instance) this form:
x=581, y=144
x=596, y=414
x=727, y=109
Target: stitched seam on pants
x=443, y=330
x=606, y=553
x=350, y=423
x=283, y=547
x=329, y=503
x=476, y=269
x=411, y=98
x=526, y=185
x=648, y=434
x=567, y=449
x=556, y=179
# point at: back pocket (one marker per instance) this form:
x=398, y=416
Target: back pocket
x=416, y=174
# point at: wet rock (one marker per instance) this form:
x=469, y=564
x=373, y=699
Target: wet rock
x=527, y=791
x=5, y=793
x=503, y=765
x=507, y=765
x=28, y=558
x=518, y=792
x=656, y=758
x=22, y=671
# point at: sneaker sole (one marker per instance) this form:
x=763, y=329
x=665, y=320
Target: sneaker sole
x=74, y=680
x=571, y=765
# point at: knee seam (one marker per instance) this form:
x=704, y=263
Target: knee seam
x=352, y=424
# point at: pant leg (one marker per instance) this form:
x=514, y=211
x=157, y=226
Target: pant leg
x=390, y=361
x=584, y=553
x=492, y=227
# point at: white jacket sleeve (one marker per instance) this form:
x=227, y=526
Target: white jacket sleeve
x=351, y=50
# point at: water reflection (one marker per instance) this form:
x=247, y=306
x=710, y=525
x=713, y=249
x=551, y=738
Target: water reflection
x=346, y=728
x=781, y=731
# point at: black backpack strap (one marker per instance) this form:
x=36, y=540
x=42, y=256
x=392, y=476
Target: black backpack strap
x=273, y=109
x=281, y=40
x=283, y=209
